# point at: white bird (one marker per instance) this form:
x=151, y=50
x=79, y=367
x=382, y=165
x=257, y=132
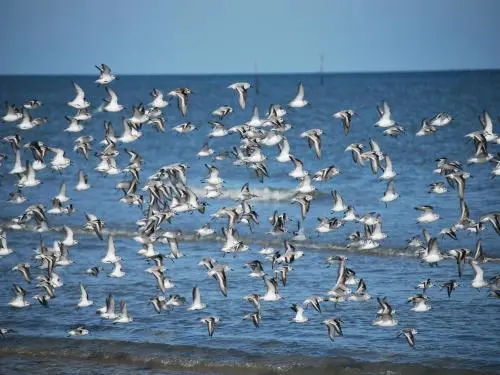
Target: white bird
x=28, y=179
x=82, y=184
x=105, y=75
x=390, y=193
x=123, y=316
x=432, y=254
x=111, y=256
x=18, y=168
x=84, y=297
x=428, y=215
x=111, y=103
x=272, y=293
x=19, y=300
x=385, y=120
x=197, y=304
x=69, y=239
x=299, y=101
x=158, y=101
x=78, y=331
x=299, y=317
x=79, y=102
x=241, y=89
x=478, y=281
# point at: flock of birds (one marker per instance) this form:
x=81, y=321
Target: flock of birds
x=168, y=195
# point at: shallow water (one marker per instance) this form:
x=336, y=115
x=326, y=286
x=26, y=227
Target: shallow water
x=467, y=323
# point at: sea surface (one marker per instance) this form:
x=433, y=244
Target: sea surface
x=458, y=335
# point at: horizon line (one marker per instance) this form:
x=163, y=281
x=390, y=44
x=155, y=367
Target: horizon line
x=468, y=70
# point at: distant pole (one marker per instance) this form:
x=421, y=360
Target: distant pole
x=321, y=61
x=256, y=78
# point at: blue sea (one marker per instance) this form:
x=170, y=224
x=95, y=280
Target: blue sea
x=458, y=335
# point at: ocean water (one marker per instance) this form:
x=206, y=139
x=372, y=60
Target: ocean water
x=457, y=335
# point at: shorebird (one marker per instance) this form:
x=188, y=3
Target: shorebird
x=345, y=116
x=409, y=334
x=105, y=75
x=299, y=101
x=241, y=89
x=212, y=322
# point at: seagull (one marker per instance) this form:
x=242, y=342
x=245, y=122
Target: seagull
x=211, y=322
x=409, y=334
x=241, y=89
x=105, y=75
x=299, y=101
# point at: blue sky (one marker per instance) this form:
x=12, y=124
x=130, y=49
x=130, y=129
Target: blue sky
x=231, y=36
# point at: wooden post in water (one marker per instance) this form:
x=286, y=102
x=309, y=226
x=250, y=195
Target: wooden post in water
x=256, y=77
x=321, y=77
